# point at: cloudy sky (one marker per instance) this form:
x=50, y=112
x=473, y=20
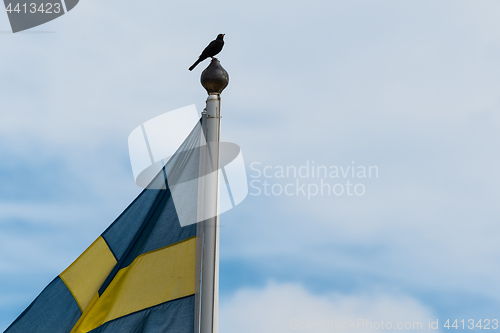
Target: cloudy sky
x=409, y=87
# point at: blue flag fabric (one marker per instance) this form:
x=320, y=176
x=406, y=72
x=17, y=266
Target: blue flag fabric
x=138, y=276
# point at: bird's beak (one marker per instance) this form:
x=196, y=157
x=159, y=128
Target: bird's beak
x=223, y=35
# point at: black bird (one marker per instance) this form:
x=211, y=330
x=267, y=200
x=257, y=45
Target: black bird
x=212, y=49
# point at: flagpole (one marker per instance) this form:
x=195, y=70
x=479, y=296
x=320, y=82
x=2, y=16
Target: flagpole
x=214, y=79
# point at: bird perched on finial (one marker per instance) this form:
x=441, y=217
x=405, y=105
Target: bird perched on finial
x=211, y=50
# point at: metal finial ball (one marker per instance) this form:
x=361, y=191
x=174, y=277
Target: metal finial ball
x=214, y=78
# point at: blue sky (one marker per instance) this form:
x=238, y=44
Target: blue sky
x=408, y=86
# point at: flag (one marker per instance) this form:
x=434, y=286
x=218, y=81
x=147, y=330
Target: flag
x=139, y=275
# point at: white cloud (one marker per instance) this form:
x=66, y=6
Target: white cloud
x=281, y=308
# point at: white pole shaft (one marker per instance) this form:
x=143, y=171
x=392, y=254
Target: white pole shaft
x=210, y=259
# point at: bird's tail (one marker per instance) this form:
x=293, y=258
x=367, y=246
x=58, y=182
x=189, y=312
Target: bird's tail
x=195, y=64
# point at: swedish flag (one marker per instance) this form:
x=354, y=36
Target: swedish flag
x=138, y=276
